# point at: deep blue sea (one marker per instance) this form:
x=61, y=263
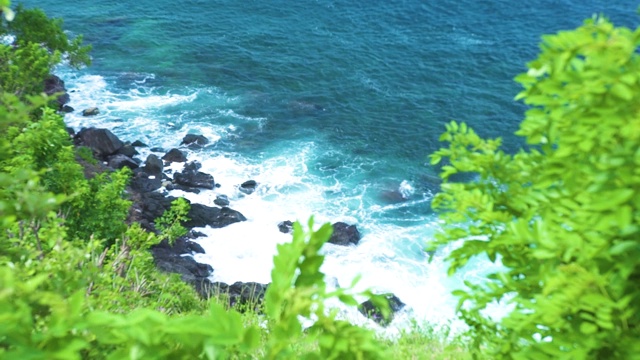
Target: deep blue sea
x=331, y=106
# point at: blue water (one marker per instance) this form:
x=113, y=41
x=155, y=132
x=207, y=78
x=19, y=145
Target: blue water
x=332, y=106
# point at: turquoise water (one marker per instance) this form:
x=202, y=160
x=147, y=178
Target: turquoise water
x=332, y=106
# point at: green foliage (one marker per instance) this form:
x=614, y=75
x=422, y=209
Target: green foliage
x=170, y=223
x=24, y=69
x=562, y=217
x=101, y=209
x=298, y=290
x=32, y=26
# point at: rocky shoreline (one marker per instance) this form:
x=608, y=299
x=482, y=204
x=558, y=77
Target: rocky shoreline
x=148, y=190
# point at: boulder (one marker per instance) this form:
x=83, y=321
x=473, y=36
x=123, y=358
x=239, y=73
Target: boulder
x=196, y=179
x=143, y=182
x=128, y=150
x=248, y=187
x=374, y=313
x=92, y=111
x=192, y=166
x=194, y=141
x=55, y=85
x=138, y=143
x=221, y=200
x=102, y=141
x=202, y=215
x=119, y=161
x=285, y=227
x=174, y=155
x=67, y=109
x=344, y=234
x=153, y=165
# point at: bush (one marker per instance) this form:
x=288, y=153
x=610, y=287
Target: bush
x=563, y=216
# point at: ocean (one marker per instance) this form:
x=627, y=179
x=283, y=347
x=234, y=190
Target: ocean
x=331, y=106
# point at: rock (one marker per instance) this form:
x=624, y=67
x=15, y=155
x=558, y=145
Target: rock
x=102, y=141
x=174, y=155
x=67, y=109
x=221, y=200
x=372, y=312
x=194, y=235
x=90, y=111
x=173, y=186
x=143, y=182
x=169, y=259
x=238, y=293
x=138, y=143
x=285, y=227
x=192, y=166
x=157, y=149
x=194, y=141
x=153, y=165
x=344, y=234
x=119, y=161
x=248, y=187
x=202, y=215
x=55, y=85
x=70, y=131
x=194, y=179
x=128, y=150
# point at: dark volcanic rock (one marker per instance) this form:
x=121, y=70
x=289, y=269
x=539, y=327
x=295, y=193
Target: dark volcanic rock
x=374, y=313
x=153, y=165
x=90, y=111
x=183, y=188
x=128, y=150
x=221, y=200
x=102, y=141
x=239, y=293
x=170, y=259
x=192, y=166
x=119, y=161
x=174, y=155
x=67, y=109
x=143, y=182
x=194, y=141
x=248, y=186
x=138, y=143
x=344, y=234
x=195, y=179
x=202, y=215
x=53, y=85
x=285, y=227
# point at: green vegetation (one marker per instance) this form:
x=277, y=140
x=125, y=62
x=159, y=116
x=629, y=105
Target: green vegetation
x=563, y=216
x=77, y=281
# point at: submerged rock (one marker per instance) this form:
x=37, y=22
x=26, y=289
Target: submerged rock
x=248, y=187
x=221, y=200
x=194, y=141
x=92, y=111
x=285, y=227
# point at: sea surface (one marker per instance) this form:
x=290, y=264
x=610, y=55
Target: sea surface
x=331, y=106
